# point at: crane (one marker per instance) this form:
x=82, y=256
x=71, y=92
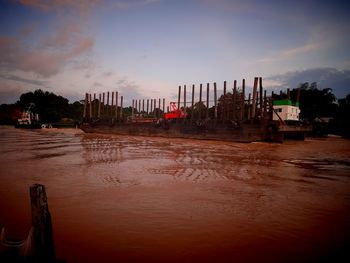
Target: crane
x=175, y=113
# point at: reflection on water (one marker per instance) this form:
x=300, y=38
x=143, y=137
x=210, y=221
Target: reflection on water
x=138, y=199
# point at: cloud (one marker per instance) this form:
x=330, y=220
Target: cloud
x=97, y=84
x=10, y=92
x=337, y=80
x=108, y=74
x=129, y=89
x=82, y=6
x=47, y=59
x=67, y=43
x=23, y=80
x=289, y=53
x=27, y=30
x=126, y=4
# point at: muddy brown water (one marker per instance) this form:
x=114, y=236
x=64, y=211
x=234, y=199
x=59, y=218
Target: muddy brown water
x=139, y=199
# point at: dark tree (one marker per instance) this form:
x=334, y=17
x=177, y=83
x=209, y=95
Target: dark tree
x=51, y=108
x=314, y=102
x=75, y=110
x=9, y=113
x=342, y=120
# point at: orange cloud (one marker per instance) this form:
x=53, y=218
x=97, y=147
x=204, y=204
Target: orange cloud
x=46, y=59
x=44, y=5
x=46, y=56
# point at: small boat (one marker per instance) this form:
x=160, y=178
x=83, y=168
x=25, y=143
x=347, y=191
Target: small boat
x=29, y=119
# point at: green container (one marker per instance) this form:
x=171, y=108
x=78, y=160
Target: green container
x=282, y=102
x=285, y=102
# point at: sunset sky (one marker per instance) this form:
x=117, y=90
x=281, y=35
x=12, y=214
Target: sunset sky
x=147, y=48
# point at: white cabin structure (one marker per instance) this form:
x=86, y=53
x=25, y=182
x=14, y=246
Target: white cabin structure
x=285, y=110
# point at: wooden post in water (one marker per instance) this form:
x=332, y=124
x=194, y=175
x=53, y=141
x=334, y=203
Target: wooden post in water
x=155, y=108
x=234, y=100
x=147, y=106
x=139, y=111
x=99, y=105
x=111, y=111
x=192, y=103
x=271, y=108
x=257, y=103
x=42, y=237
x=132, y=108
x=249, y=106
x=158, y=112
x=270, y=101
x=136, y=106
x=215, y=102
x=252, y=115
x=143, y=107
x=121, y=108
x=261, y=98
x=39, y=244
x=116, y=104
x=270, y=104
x=265, y=104
x=107, y=104
x=207, y=111
x=242, y=100
x=224, y=103
x=85, y=105
x=151, y=106
x=94, y=109
x=90, y=106
x=200, y=102
x=178, y=104
x=103, y=104
x=184, y=101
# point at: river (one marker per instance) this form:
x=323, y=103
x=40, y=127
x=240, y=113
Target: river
x=138, y=199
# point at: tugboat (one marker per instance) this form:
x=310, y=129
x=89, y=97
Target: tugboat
x=29, y=119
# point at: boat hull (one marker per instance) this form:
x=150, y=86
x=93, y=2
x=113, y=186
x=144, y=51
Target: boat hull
x=183, y=129
x=28, y=126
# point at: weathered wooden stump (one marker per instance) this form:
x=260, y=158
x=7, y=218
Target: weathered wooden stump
x=44, y=249
x=39, y=245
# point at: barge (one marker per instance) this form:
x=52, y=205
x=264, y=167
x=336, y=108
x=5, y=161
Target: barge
x=231, y=117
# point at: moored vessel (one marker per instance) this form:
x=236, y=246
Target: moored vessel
x=29, y=119
x=231, y=117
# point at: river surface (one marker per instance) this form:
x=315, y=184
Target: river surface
x=139, y=199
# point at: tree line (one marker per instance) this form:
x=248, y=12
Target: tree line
x=321, y=108
x=50, y=107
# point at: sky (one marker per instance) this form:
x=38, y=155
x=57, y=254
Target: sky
x=147, y=48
